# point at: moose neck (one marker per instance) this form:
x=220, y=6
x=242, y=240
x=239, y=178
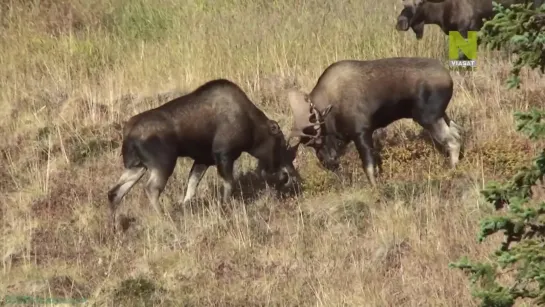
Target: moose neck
x=431, y=13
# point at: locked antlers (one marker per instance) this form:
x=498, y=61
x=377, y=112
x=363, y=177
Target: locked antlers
x=305, y=115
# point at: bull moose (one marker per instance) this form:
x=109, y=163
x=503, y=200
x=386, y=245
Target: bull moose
x=353, y=98
x=450, y=15
x=212, y=125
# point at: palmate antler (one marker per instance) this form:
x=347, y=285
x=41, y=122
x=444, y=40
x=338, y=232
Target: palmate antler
x=305, y=116
x=314, y=121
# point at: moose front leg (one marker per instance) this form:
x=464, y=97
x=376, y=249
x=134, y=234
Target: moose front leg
x=195, y=175
x=364, y=145
x=225, y=164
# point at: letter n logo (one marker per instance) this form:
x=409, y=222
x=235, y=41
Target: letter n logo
x=457, y=42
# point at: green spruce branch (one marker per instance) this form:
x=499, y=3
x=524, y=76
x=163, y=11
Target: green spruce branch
x=516, y=270
x=521, y=30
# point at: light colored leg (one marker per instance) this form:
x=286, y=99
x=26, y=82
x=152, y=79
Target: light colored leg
x=227, y=190
x=260, y=170
x=195, y=176
x=455, y=130
x=454, y=151
x=225, y=166
x=364, y=145
x=455, y=144
x=370, y=172
x=127, y=180
x=448, y=137
x=154, y=187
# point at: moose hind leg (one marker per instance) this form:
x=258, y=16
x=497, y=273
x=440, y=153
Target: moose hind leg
x=445, y=135
x=455, y=129
x=157, y=182
x=225, y=165
x=364, y=145
x=430, y=114
x=127, y=180
x=195, y=175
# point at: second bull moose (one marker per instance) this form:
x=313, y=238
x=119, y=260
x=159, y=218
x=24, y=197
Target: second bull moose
x=450, y=15
x=213, y=125
x=352, y=99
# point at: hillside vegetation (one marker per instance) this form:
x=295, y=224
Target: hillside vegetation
x=73, y=71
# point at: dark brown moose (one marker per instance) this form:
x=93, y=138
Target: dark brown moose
x=212, y=125
x=352, y=99
x=450, y=15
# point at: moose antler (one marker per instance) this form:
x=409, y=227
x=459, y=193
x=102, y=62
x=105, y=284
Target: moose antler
x=305, y=115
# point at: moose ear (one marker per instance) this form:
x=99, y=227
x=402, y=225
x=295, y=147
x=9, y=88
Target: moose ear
x=274, y=128
x=326, y=111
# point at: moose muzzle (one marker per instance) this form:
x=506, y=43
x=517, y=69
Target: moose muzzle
x=402, y=23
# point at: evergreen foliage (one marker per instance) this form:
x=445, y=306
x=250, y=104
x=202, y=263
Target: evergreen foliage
x=522, y=29
x=516, y=270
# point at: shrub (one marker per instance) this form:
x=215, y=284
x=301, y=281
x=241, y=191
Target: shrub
x=515, y=271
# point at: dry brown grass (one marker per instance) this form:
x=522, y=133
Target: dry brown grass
x=74, y=71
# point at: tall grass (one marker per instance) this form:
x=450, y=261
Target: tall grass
x=73, y=71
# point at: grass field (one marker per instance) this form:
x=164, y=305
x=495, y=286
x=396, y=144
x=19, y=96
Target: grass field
x=73, y=71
